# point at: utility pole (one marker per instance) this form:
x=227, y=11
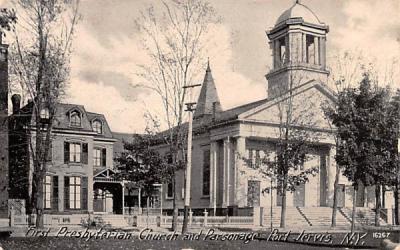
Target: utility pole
x=190, y=108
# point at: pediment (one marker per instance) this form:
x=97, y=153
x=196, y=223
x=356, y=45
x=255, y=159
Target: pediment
x=306, y=105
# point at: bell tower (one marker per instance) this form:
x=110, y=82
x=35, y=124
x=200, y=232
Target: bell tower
x=298, y=44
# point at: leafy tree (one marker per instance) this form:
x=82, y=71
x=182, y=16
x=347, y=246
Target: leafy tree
x=141, y=164
x=365, y=143
x=39, y=61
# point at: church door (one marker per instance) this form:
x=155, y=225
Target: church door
x=341, y=195
x=299, y=196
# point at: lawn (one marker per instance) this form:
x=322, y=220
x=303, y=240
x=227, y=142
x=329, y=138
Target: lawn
x=70, y=243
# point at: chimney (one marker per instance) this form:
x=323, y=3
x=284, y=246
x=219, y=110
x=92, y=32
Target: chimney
x=16, y=103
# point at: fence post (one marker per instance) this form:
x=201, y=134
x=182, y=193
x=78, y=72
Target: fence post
x=205, y=217
x=190, y=217
x=12, y=217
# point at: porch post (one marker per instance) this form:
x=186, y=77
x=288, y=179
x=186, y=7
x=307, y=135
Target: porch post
x=226, y=191
x=123, y=197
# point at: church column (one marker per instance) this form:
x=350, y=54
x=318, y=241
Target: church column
x=227, y=159
x=240, y=185
x=322, y=53
x=277, y=58
x=316, y=49
x=213, y=175
x=288, y=55
x=304, y=45
x=331, y=171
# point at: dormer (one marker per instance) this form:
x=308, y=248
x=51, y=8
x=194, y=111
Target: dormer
x=75, y=118
x=97, y=125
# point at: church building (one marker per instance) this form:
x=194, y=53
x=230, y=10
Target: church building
x=227, y=144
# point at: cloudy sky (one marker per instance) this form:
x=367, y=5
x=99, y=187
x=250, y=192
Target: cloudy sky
x=107, y=51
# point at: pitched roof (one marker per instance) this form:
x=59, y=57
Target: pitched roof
x=208, y=98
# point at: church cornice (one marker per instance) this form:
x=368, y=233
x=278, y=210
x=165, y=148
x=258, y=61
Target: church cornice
x=298, y=66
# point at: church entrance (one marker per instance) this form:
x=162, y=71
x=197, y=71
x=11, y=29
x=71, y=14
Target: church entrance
x=299, y=196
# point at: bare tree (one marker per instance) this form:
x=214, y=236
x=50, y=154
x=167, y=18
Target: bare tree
x=40, y=64
x=174, y=37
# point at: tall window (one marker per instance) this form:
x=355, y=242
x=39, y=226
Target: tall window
x=74, y=152
x=97, y=157
x=310, y=49
x=47, y=192
x=206, y=172
x=75, y=119
x=97, y=126
x=100, y=157
x=74, y=192
x=170, y=190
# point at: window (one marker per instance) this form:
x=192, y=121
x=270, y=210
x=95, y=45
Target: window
x=97, y=126
x=96, y=157
x=75, y=119
x=100, y=157
x=170, y=190
x=206, y=173
x=45, y=113
x=310, y=49
x=75, y=152
x=74, y=192
x=47, y=192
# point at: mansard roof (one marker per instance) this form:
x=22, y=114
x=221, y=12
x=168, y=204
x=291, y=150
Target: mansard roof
x=62, y=122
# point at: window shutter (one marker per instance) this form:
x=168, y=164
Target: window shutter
x=49, y=152
x=66, y=152
x=103, y=157
x=66, y=192
x=84, y=193
x=85, y=153
x=54, y=194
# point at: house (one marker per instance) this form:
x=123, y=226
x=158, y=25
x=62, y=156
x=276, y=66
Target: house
x=222, y=181
x=80, y=176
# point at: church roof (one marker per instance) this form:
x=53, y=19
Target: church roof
x=299, y=10
x=208, y=96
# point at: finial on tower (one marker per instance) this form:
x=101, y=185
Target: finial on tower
x=208, y=65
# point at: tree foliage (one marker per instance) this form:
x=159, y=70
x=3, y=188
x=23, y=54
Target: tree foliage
x=142, y=165
x=367, y=121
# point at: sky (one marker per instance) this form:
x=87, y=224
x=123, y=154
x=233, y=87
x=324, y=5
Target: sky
x=107, y=50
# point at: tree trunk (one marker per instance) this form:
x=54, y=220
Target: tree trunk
x=175, y=208
x=283, y=209
x=335, y=196
x=377, y=205
x=38, y=201
x=353, y=213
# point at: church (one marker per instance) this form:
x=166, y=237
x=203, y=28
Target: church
x=226, y=143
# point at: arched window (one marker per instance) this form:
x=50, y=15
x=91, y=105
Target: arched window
x=97, y=126
x=45, y=113
x=75, y=119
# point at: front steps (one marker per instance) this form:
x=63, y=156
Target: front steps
x=318, y=217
